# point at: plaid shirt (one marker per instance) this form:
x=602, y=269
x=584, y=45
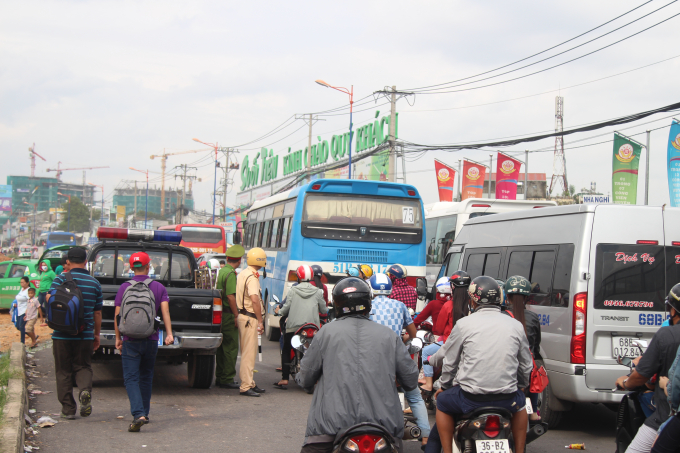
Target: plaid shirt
x=405, y=293
x=390, y=313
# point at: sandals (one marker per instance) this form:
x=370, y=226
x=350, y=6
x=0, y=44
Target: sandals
x=280, y=386
x=279, y=369
x=136, y=425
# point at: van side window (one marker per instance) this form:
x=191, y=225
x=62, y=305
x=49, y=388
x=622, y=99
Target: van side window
x=562, y=279
x=483, y=264
x=3, y=269
x=537, y=267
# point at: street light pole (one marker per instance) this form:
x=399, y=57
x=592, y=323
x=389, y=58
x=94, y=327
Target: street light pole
x=101, y=221
x=216, y=148
x=350, y=92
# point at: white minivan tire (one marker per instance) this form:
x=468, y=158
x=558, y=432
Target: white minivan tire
x=548, y=415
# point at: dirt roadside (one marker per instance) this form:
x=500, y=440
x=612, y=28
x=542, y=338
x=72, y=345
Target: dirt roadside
x=9, y=333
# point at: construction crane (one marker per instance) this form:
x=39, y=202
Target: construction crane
x=164, y=157
x=59, y=170
x=31, y=150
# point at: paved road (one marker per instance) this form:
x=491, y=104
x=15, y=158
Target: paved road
x=189, y=420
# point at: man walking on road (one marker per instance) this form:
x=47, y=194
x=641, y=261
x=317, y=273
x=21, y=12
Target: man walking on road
x=250, y=324
x=73, y=353
x=139, y=354
x=225, y=358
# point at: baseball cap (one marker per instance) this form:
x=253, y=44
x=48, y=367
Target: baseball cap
x=76, y=254
x=139, y=259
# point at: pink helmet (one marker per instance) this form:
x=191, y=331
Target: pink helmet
x=305, y=273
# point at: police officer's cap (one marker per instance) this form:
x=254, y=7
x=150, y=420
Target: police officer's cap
x=235, y=251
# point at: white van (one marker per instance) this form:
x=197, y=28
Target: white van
x=599, y=276
x=444, y=219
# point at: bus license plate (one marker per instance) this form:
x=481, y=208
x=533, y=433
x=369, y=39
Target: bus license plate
x=623, y=347
x=492, y=446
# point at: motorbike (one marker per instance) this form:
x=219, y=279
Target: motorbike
x=427, y=337
x=411, y=428
x=630, y=415
x=365, y=438
x=488, y=429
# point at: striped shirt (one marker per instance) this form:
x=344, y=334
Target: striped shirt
x=92, y=298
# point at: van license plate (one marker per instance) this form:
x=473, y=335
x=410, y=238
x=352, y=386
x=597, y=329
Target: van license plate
x=623, y=347
x=492, y=446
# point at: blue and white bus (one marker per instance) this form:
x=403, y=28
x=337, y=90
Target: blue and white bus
x=56, y=238
x=336, y=224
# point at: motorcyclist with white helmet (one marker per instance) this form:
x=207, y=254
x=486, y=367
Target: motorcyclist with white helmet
x=485, y=362
x=303, y=305
x=395, y=315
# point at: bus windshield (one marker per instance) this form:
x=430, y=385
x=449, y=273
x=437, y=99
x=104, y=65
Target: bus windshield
x=61, y=239
x=362, y=210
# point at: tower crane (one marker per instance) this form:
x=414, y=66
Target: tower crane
x=164, y=157
x=31, y=150
x=59, y=170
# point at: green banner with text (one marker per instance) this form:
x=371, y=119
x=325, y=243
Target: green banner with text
x=625, y=163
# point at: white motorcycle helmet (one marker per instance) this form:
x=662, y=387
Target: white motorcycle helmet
x=443, y=286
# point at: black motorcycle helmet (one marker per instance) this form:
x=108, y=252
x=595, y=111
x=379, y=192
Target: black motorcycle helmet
x=351, y=295
x=460, y=279
x=318, y=272
x=673, y=299
x=485, y=291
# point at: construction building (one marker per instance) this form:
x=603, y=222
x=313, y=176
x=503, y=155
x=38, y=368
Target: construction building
x=131, y=197
x=43, y=192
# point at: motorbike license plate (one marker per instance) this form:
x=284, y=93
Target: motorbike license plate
x=623, y=347
x=492, y=446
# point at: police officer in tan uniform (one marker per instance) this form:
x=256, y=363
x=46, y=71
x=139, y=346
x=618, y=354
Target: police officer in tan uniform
x=250, y=321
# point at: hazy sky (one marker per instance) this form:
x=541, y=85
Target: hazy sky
x=109, y=83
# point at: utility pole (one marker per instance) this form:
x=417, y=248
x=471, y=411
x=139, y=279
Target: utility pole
x=184, y=178
x=394, y=96
x=526, y=170
x=647, y=172
x=460, y=178
x=559, y=161
x=490, y=171
x=229, y=166
x=309, y=119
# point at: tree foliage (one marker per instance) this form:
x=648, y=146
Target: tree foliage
x=79, y=216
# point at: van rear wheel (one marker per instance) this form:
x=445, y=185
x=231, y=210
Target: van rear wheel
x=548, y=415
x=201, y=370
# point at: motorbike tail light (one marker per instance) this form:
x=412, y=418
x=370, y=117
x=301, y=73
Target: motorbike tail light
x=217, y=311
x=309, y=333
x=492, y=426
x=364, y=443
x=578, y=330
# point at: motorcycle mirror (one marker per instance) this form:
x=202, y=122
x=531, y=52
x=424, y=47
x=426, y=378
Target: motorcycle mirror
x=264, y=272
x=421, y=334
x=411, y=312
x=416, y=343
x=295, y=342
x=642, y=344
x=421, y=287
x=236, y=237
x=276, y=298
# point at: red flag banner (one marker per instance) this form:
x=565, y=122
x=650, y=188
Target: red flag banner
x=507, y=173
x=445, y=177
x=473, y=180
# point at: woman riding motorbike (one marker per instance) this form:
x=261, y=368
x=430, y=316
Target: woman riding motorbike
x=304, y=303
x=517, y=290
x=450, y=312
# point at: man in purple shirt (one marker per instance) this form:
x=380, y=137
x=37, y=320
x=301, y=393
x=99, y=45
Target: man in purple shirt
x=139, y=355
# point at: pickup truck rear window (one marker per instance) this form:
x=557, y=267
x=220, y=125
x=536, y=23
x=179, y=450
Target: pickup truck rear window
x=206, y=235
x=105, y=260
x=630, y=277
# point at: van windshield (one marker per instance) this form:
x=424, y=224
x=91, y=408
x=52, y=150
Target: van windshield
x=630, y=277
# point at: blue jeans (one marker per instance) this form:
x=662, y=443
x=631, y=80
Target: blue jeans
x=21, y=327
x=139, y=358
x=43, y=302
x=415, y=400
x=429, y=350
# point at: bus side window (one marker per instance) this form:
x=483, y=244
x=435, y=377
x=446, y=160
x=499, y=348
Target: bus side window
x=286, y=232
x=275, y=231
x=260, y=232
x=268, y=233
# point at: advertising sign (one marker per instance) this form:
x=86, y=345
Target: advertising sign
x=473, y=180
x=596, y=199
x=507, y=173
x=5, y=198
x=625, y=163
x=674, y=163
x=445, y=178
x=228, y=226
x=120, y=212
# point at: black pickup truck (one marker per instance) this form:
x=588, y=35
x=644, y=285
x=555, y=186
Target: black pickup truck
x=196, y=314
